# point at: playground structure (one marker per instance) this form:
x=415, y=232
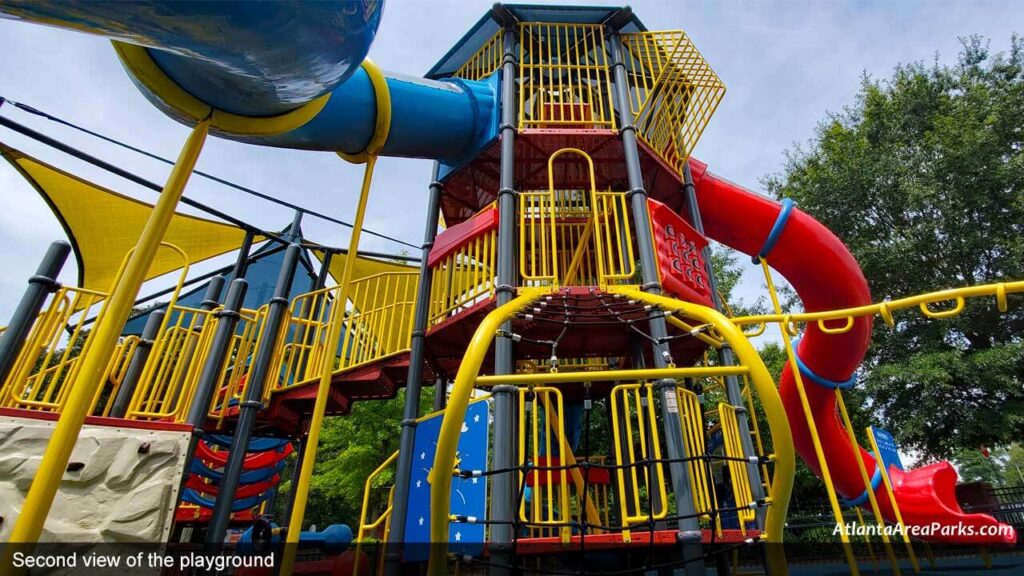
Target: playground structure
x=571, y=284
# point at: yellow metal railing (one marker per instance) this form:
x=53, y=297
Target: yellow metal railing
x=733, y=445
x=574, y=237
x=673, y=92
x=123, y=352
x=381, y=524
x=565, y=78
x=538, y=239
x=755, y=325
x=692, y=425
x=47, y=366
x=233, y=374
x=168, y=380
x=486, y=60
x=47, y=363
x=636, y=441
x=541, y=430
x=377, y=324
x=464, y=278
x=380, y=323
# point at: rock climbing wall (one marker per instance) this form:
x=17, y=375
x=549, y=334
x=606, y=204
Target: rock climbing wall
x=121, y=484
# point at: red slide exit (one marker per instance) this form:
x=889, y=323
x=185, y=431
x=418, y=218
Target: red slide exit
x=826, y=276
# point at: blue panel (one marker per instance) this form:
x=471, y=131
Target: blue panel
x=468, y=497
x=888, y=451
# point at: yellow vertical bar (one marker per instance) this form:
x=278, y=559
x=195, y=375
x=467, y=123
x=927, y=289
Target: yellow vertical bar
x=867, y=482
x=892, y=500
x=326, y=373
x=29, y=524
x=527, y=80
x=819, y=452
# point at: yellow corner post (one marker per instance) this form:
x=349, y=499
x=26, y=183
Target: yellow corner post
x=369, y=156
x=29, y=524
x=778, y=424
x=451, y=425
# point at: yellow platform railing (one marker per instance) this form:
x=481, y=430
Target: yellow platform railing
x=636, y=441
x=47, y=366
x=565, y=77
x=484, y=62
x=234, y=373
x=377, y=324
x=672, y=94
x=168, y=380
x=574, y=237
x=464, y=277
x=381, y=525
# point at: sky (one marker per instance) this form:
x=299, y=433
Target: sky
x=785, y=66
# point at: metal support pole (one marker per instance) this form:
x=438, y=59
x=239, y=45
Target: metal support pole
x=139, y=357
x=413, y=386
x=227, y=321
x=726, y=356
x=29, y=524
x=690, y=534
x=503, y=492
x=252, y=403
x=440, y=393
x=40, y=285
x=242, y=261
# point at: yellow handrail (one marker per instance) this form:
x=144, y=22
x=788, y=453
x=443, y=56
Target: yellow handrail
x=885, y=309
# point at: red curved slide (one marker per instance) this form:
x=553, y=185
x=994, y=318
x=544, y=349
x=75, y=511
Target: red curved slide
x=826, y=276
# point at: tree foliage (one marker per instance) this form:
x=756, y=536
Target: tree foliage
x=923, y=178
x=351, y=447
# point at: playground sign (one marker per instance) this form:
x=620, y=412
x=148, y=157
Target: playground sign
x=468, y=495
x=888, y=451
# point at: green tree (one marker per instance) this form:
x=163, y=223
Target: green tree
x=923, y=178
x=351, y=447
x=1015, y=465
x=974, y=466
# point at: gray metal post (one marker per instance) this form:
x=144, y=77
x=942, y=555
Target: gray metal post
x=139, y=357
x=252, y=403
x=413, y=384
x=242, y=261
x=227, y=321
x=40, y=285
x=209, y=377
x=690, y=534
x=726, y=357
x=503, y=492
x=440, y=393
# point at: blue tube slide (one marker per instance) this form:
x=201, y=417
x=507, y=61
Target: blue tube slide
x=262, y=60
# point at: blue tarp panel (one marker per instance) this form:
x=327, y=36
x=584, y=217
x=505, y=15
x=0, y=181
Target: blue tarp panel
x=468, y=497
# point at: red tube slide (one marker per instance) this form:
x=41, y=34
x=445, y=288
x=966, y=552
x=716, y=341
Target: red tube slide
x=826, y=276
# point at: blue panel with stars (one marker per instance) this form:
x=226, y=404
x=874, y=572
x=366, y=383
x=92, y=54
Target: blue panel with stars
x=469, y=495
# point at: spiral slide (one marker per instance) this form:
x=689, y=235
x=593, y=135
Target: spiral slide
x=826, y=276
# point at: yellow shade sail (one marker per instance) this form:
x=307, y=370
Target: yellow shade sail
x=103, y=225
